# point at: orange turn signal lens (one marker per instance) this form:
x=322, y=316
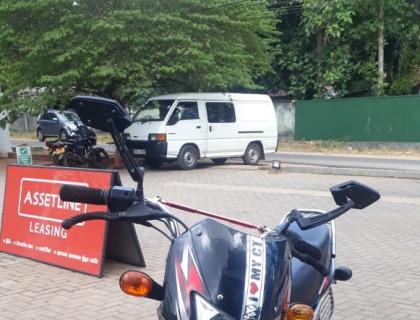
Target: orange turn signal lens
x=300, y=312
x=136, y=283
x=161, y=137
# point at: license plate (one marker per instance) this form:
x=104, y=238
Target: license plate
x=139, y=151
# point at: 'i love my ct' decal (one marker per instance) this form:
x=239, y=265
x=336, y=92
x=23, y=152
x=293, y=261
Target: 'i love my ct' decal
x=254, y=281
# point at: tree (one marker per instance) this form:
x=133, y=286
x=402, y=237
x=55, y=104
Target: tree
x=128, y=49
x=312, y=54
x=352, y=46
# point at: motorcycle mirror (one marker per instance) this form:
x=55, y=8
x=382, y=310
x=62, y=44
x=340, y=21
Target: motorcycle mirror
x=96, y=112
x=361, y=195
x=347, y=195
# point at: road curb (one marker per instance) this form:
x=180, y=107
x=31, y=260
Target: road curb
x=295, y=168
x=45, y=157
x=35, y=156
x=366, y=172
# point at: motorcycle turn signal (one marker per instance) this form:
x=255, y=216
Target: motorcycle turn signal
x=139, y=284
x=300, y=312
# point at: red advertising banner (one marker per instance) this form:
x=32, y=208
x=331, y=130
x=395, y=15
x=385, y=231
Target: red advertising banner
x=33, y=211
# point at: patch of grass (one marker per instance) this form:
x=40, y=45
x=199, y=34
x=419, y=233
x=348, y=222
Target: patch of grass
x=102, y=137
x=22, y=135
x=356, y=148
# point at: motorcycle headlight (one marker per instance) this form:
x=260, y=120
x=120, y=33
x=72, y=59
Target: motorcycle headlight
x=72, y=128
x=205, y=311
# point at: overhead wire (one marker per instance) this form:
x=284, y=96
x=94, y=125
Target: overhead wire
x=279, y=6
x=279, y=2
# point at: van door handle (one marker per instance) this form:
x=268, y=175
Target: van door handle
x=210, y=128
x=198, y=127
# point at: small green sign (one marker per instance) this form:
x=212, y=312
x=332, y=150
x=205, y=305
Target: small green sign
x=24, y=155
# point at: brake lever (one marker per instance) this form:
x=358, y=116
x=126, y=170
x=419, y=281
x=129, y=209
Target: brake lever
x=306, y=258
x=97, y=215
x=141, y=212
x=303, y=246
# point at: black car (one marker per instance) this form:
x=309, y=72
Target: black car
x=61, y=124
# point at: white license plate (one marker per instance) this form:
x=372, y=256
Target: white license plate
x=139, y=151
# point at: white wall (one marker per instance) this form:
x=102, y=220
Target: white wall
x=285, y=112
x=5, y=146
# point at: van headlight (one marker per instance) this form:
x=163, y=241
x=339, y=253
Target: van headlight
x=157, y=137
x=205, y=311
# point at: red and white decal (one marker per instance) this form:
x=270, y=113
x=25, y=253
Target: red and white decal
x=254, y=279
x=188, y=279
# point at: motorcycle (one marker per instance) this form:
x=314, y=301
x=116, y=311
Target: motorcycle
x=81, y=151
x=56, y=150
x=216, y=272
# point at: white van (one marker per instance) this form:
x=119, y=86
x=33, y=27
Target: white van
x=185, y=127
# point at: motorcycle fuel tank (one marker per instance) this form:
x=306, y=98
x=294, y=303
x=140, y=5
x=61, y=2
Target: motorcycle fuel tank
x=239, y=276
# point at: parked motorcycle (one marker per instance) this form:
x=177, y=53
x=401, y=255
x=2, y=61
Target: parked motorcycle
x=56, y=150
x=81, y=151
x=215, y=272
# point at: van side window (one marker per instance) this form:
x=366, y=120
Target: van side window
x=220, y=112
x=185, y=110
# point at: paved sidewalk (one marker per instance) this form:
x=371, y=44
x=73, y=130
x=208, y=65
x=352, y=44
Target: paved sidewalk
x=381, y=244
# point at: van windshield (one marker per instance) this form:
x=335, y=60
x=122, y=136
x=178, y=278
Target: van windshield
x=153, y=110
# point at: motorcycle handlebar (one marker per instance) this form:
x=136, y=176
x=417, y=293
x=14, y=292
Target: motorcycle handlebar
x=302, y=246
x=310, y=260
x=116, y=198
x=83, y=194
x=311, y=250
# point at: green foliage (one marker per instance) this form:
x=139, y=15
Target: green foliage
x=51, y=50
x=334, y=43
x=128, y=49
x=407, y=75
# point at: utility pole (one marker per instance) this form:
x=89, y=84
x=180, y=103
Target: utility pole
x=381, y=73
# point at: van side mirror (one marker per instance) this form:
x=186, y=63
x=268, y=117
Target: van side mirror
x=174, y=118
x=172, y=121
x=361, y=195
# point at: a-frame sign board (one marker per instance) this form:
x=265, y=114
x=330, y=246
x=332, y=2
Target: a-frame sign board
x=122, y=243
x=32, y=215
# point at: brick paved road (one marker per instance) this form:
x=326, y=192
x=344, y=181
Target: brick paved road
x=381, y=244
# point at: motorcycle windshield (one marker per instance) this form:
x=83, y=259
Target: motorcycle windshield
x=242, y=276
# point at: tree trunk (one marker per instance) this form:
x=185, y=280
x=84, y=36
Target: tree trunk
x=381, y=73
x=321, y=41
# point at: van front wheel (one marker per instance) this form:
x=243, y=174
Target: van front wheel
x=252, y=154
x=187, y=158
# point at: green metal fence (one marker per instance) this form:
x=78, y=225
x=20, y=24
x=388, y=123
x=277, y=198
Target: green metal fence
x=359, y=119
